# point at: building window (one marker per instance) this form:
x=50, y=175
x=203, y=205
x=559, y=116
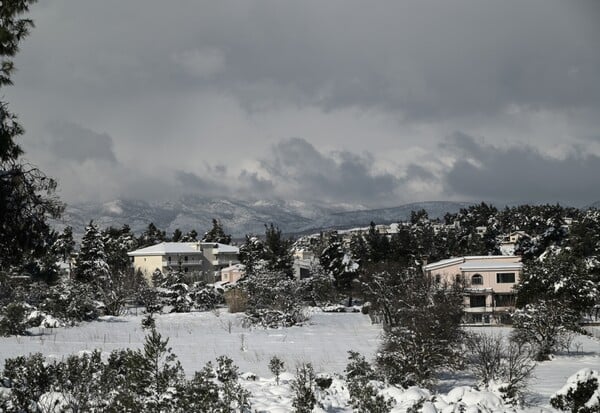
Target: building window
x=169, y=259
x=477, y=279
x=505, y=277
x=504, y=300
x=477, y=301
x=438, y=278
x=185, y=258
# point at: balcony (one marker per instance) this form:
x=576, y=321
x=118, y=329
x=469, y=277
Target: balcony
x=187, y=263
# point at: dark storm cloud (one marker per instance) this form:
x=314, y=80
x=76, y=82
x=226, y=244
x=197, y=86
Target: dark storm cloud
x=521, y=173
x=193, y=183
x=373, y=87
x=73, y=142
x=422, y=58
x=341, y=176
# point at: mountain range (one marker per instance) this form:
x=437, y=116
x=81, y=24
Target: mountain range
x=239, y=217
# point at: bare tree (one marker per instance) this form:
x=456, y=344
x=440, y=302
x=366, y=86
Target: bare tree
x=500, y=361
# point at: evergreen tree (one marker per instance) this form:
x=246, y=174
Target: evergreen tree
x=339, y=265
x=191, y=236
x=117, y=243
x=378, y=245
x=151, y=236
x=64, y=246
x=252, y=254
x=563, y=277
x=26, y=194
x=278, y=251
x=177, y=235
x=91, y=264
x=216, y=234
x=421, y=323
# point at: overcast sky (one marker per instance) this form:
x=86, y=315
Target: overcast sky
x=354, y=102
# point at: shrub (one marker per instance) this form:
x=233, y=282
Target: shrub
x=506, y=364
x=276, y=366
x=363, y=395
x=14, y=319
x=546, y=325
x=237, y=300
x=303, y=387
x=581, y=393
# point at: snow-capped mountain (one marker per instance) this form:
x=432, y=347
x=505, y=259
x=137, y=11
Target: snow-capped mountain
x=239, y=217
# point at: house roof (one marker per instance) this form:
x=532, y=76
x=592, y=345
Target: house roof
x=165, y=248
x=480, y=261
x=240, y=267
x=487, y=266
x=220, y=247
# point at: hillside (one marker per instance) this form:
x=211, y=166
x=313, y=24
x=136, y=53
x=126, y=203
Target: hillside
x=238, y=217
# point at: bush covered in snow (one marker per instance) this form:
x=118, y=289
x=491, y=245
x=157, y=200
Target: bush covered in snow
x=148, y=380
x=581, y=393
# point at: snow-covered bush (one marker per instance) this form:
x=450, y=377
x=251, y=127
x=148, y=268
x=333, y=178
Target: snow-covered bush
x=206, y=297
x=71, y=301
x=13, y=319
x=148, y=380
x=28, y=378
x=274, y=300
x=363, y=389
x=270, y=319
x=303, y=388
x=581, y=393
x=545, y=324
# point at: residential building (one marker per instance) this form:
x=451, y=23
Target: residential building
x=232, y=273
x=204, y=259
x=489, y=282
x=509, y=242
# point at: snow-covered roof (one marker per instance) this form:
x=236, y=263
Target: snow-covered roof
x=238, y=266
x=182, y=248
x=480, y=261
x=220, y=247
x=487, y=266
x=168, y=248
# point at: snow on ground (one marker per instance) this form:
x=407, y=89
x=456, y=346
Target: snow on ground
x=324, y=341
x=197, y=338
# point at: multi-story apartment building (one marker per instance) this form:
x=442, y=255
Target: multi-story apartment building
x=489, y=284
x=205, y=259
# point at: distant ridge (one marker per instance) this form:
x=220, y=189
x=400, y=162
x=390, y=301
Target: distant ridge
x=240, y=217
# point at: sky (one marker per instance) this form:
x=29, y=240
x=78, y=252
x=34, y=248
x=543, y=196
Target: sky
x=341, y=102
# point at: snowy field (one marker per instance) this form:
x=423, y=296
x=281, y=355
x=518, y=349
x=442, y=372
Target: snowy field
x=324, y=341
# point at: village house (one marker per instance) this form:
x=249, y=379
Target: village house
x=205, y=259
x=232, y=273
x=489, y=297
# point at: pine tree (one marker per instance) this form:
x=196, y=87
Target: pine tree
x=191, y=236
x=64, y=245
x=26, y=194
x=217, y=234
x=278, y=251
x=151, y=236
x=91, y=264
x=177, y=235
x=339, y=265
x=252, y=254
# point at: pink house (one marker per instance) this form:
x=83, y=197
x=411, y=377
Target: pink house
x=489, y=281
x=233, y=273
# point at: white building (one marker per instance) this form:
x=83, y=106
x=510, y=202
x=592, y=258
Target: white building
x=203, y=258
